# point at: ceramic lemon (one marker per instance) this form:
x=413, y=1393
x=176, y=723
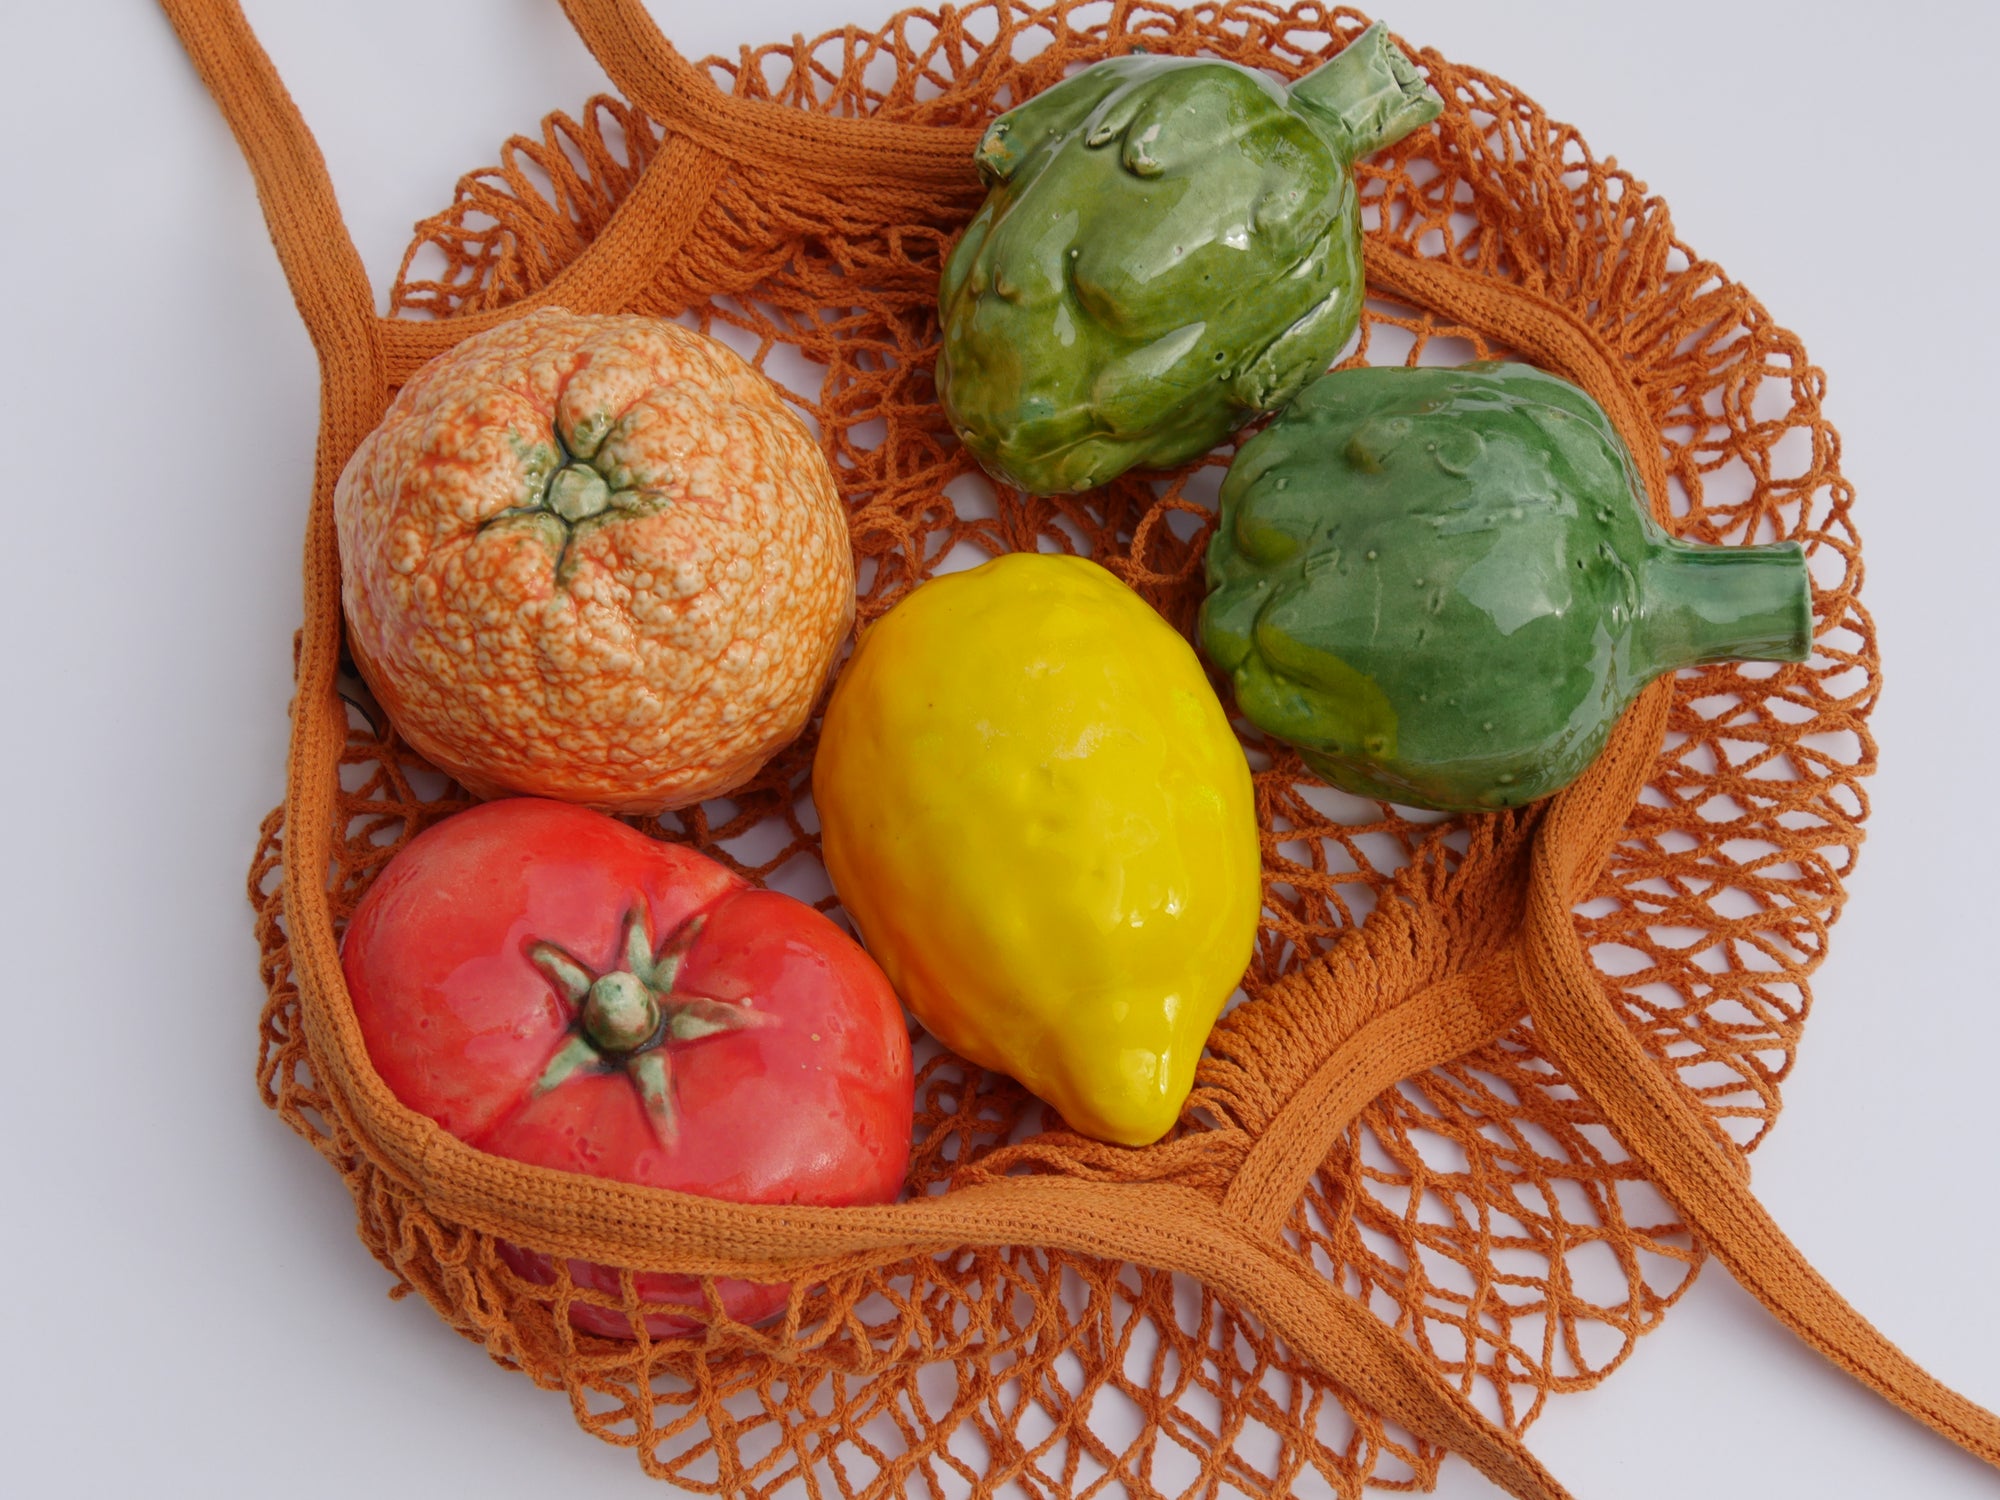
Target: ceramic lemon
x=1034, y=809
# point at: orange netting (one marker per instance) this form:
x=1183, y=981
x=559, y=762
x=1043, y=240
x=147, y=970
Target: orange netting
x=1486, y=1102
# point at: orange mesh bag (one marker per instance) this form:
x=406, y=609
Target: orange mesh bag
x=1486, y=1106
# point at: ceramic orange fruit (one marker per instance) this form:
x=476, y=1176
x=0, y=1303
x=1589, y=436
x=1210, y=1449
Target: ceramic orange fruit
x=596, y=559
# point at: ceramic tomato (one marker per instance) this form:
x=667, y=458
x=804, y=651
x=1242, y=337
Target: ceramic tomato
x=551, y=986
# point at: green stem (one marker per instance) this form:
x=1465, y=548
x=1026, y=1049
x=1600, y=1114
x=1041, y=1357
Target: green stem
x=620, y=1014
x=1371, y=93
x=632, y=1018
x=1725, y=604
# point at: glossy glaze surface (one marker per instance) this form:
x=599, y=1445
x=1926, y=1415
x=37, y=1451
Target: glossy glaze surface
x=596, y=559
x=1170, y=247
x=1034, y=809
x=1443, y=586
x=551, y=986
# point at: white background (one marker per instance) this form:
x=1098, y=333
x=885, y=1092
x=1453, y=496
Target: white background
x=186, y=1310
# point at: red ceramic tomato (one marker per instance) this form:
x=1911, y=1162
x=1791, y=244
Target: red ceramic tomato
x=551, y=986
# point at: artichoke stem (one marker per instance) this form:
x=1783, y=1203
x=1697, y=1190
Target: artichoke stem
x=1371, y=93
x=1726, y=604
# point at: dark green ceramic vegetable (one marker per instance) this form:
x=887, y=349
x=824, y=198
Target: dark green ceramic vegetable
x=1171, y=247
x=1442, y=585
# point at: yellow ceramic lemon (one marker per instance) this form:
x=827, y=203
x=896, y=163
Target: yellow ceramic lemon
x=1035, y=811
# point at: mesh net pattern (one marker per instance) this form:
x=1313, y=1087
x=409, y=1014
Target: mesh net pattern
x=1481, y=1208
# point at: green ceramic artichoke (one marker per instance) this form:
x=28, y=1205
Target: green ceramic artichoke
x=1170, y=248
x=1443, y=585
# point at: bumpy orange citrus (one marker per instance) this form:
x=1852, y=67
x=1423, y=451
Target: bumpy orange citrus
x=594, y=558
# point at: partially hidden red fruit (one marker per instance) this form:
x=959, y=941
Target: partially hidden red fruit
x=551, y=986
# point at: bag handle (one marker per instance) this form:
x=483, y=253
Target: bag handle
x=322, y=266
x=330, y=286
x=1647, y=1108
x=645, y=236
x=649, y=71
x=363, y=355
x=1650, y=1113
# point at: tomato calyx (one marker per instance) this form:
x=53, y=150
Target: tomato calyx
x=631, y=1018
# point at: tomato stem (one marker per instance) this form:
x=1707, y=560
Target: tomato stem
x=630, y=1018
x=621, y=1013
